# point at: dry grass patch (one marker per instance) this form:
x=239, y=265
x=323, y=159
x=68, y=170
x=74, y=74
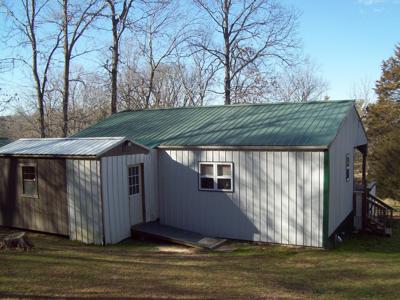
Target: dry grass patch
x=365, y=267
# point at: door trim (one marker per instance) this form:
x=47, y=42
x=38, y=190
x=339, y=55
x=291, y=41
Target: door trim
x=143, y=193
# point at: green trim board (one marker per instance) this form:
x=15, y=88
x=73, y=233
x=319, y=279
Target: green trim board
x=285, y=124
x=325, y=229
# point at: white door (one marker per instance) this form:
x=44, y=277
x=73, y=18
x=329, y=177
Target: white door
x=135, y=194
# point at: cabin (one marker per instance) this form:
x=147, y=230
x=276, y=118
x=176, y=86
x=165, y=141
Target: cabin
x=276, y=173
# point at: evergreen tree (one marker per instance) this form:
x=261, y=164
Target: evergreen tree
x=388, y=86
x=383, y=127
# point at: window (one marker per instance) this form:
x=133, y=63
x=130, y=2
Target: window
x=347, y=167
x=134, y=181
x=29, y=181
x=216, y=176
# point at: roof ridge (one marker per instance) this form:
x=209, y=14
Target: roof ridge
x=237, y=105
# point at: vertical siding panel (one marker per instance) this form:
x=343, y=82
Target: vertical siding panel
x=83, y=201
x=94, y=201
x=321, y=199
x=249, y=185
x=271, y=196
x=106, y=207
x=285, y=197
x=307, y=199
x=255, y=199
x=300, y=199
x=89, y=201
x=315, y=199
x=77, y=201
x=292, y=198
x=263, y=196
x=243, y=189
x=71, y=200
x=112, y=205
x=278, y=196
x=180, y=158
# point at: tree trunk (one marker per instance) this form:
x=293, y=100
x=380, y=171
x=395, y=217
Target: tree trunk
x=114, y=67
x=39, y=94
x=16, y=241
x=227, y=55
x=150, y=88
x=67, y=57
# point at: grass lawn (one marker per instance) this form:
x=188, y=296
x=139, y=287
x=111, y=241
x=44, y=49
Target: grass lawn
x=363, y=267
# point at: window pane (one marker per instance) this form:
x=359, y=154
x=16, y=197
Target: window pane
x=28, y=173
x=224, y=184
x=206, y=170
x=207, y=183
x=30, y=188
x=224, y=170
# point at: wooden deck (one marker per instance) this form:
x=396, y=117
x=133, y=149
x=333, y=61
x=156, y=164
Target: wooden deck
x=176, y=235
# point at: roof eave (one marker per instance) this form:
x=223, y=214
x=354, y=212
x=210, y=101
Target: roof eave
x=245, y=148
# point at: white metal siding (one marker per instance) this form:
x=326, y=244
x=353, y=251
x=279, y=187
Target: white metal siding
x=114, y=175
x=350, y=135
x=84, y=201
x=278, y=196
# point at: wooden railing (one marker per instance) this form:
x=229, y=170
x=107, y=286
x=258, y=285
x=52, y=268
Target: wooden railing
x=379, y=213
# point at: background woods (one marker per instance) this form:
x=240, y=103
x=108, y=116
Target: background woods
x=84, y=60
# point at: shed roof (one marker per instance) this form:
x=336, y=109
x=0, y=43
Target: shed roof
x=61, y=146
x=272, y=124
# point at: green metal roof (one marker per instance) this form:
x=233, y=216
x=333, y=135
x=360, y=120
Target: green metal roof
x=273, y=124
x=4, y=141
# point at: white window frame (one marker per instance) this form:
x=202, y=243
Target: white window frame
x=29, y=165
x=139, y=180
x=347, y=162
x=215, y=176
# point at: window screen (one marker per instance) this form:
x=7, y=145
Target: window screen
x=29, y=181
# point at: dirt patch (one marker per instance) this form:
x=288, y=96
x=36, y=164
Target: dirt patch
x=176, y=249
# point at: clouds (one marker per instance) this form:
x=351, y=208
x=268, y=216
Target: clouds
x=375, y=2
x=370, y=2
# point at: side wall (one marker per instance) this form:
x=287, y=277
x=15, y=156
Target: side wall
x=114, y=174
x=277, y=198
x=350, y=135
x=48, y=212
x=84, y=201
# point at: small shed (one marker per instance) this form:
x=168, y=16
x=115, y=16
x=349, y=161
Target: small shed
x=70, y=186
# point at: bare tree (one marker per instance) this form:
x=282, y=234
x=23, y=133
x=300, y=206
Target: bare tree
x=197, y=74
x=77, y=17
x=119, y=22
x=27, y=20
x=363, y=90
x=300, y=83
x=250, y=32
x=161, y=33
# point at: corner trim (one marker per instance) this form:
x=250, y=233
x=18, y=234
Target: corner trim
x=325, y=235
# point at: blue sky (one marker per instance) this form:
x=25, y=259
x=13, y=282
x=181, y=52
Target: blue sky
x=348, y=39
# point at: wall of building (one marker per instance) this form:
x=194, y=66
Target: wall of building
x=48, y=212
x=114, y=174
x=350, y=135
x=84, y=201
x=277, y=197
